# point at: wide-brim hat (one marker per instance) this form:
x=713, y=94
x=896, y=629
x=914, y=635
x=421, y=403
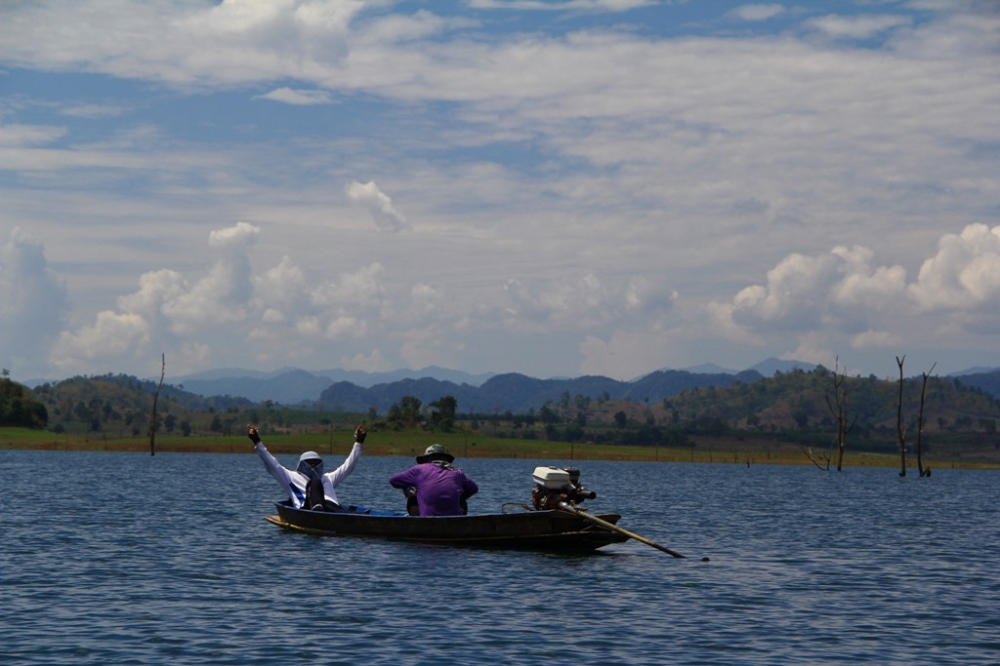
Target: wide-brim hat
x=435, y=452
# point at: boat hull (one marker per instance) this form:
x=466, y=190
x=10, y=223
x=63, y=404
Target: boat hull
x=529, y=530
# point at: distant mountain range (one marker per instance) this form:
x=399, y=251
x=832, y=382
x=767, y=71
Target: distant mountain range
x=519, y=393
x=357, y=390
x=292, y=386
x=766, y=368
x=344, y=390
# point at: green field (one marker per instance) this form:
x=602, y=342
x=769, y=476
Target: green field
x=473, y=444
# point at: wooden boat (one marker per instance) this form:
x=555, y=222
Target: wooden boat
x=551, y=530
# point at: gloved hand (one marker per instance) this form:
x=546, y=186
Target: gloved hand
x=359, y=434
x=252, y=434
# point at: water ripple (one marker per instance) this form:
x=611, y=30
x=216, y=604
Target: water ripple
x=167, y=560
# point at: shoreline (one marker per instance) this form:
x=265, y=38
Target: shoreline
x=510, y=449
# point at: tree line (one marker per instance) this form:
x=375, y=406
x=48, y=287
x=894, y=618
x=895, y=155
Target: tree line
x=816, y=408
x=18, y=406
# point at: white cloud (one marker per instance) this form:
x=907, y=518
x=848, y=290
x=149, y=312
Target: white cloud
x=15, y=135
x=862, y=287
x=877, y=340
x=584, y=300
x=297, y=97
x=166, y=308
x=33, y=305
x=626, y=354
x=794, y=293
x=378, y=205
x=425, y=302
x=272, y=316
x=344, y=326
x=282, y=291
x=221, y=297
x=558, y=301
x=156, y=288
x=838, y=291
x=756, y=12
x=225, y=294
x=373, y=362
x=719, y=322
x=267, y=313
x=963, y=275
x=112, y=336
x=423, y=347
x=94, y=110
x=562, y=5
x=841, y=300
x=361, y=287
x=270, y=36
x=308, y=327
x=857, y=27
x=242, y=235
x=592, y=167
x=813, y=348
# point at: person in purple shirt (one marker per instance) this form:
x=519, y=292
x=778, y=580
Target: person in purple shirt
x=440, y=489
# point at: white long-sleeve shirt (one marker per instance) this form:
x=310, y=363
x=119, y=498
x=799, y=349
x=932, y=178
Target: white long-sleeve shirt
x=294, y=482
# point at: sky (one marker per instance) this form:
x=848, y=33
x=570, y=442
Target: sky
x=551, y=187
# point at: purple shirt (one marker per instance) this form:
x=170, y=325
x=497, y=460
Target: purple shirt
x=439, y=491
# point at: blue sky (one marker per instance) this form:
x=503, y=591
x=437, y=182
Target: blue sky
x=554, y=188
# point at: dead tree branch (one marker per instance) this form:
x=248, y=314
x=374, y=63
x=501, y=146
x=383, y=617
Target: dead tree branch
x=812, y=457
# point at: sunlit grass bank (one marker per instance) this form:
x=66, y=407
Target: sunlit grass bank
x=477, y=445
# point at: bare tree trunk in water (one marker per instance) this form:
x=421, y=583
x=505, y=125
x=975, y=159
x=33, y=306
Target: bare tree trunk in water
x=900, y=428
x=839, y=412
x=920, y=426
x=156, y=396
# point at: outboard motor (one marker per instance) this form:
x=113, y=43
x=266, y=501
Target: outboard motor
x=557, y=484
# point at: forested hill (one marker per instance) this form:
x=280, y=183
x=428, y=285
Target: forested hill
x=988, y=382
x=795, y=400
x=799, y=400
x=121, y=405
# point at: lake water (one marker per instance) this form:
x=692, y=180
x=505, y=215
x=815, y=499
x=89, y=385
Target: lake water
x=118, y=558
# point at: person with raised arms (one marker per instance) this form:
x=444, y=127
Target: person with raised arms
x=308, y=485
